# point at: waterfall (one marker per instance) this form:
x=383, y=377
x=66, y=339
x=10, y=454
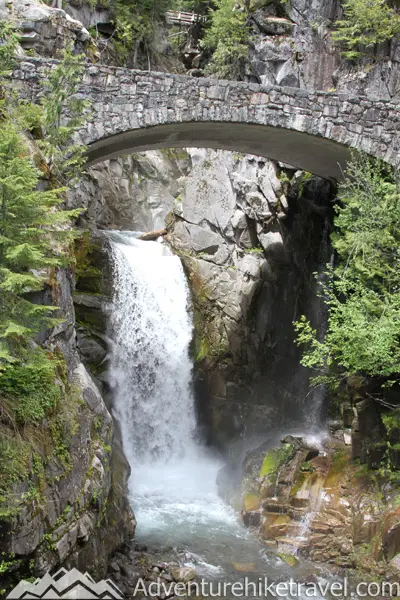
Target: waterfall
x=173, y=483
x=150, y=366
x=173, y=486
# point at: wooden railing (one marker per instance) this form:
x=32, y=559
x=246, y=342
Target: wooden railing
x=183, y=18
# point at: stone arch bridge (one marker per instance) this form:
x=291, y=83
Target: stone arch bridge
x=133, y=111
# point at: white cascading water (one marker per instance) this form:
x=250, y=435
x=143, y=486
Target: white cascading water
x=150, y=369
x=173, y=482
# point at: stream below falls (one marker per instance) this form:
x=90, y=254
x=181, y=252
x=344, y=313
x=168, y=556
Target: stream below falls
x=173, y=483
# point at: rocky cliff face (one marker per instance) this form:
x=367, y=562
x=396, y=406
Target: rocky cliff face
x=72, y=509
x=250, y=245
x=293, y=46
x=133, y=192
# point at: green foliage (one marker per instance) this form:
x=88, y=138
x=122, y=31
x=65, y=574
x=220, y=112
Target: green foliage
x=392, y=422
x=199, y=7
x=135, y=21
x=28, y=386
x=363, y=290
x=365, y=24
x=64, y=157
x=34, y=232
x=8, y=47
x=228, y=38
x=33, y=237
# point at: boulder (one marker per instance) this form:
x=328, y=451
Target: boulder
x=271, y=241
x=183, y=574
x=395, y=563
x=203, y=240
x=257, y=206
x=47, y=30
x=208, y=193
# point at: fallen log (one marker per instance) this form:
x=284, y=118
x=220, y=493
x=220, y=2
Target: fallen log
x=152, y=235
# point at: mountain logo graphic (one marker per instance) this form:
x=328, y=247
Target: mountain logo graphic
x=71, y=585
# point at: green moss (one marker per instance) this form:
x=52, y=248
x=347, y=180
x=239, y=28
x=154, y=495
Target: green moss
x=340, y=462
x=306, y=467
x=289, y=559
x=303, y=181
x=254, y=250
x=202, y=351
x=251, y=501
x=274, y=459
x=24, y=455
x=270, y=463
x=298, y=484
x=28, y=388
x=87, y=274
x=174, y=153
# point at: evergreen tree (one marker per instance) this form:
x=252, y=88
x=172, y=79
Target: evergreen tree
x=228, y=38
x=62, y=113
x=365, y=24
x=32, y=236
x=135, y=21
x=35, y=232
x=363, y=294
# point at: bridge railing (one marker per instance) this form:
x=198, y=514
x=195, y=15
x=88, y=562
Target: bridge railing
x=183, y=18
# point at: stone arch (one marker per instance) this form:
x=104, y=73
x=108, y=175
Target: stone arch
x=318, y=155
x=137, y=111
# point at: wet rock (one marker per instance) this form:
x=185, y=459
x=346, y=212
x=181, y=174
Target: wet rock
x=244, y=567
x=395, y=563
x=391, y=534
x=289, y=559
x=92, y=348
x=183, y=574
x=251, y=519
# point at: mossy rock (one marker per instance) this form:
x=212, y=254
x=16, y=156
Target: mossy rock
x=274, y=459
x=275, y=525
x=289, y=559
x=282, y=520
x=340, y=462
x=91, y=319
x=251, y=502
x=91, y=267
x=244, y=567
x=301, y=478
